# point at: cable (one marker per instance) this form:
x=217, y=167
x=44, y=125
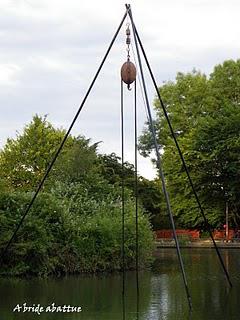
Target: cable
x=64, y=140
x=136, y=184
x=140, y=84
x=136, y=194
x=159, y=164
x=123, y=192
x=183, y=160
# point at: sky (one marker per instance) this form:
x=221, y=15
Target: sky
x=50, y=51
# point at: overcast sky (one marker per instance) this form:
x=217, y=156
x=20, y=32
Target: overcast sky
x=50, y=50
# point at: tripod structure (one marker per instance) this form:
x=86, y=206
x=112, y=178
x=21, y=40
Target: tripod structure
x=128, y=76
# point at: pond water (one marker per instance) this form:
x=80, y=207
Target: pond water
x=162, y=295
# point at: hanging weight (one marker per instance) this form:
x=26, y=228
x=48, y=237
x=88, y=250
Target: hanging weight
x=128, y=72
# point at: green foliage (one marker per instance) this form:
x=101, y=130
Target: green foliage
x=149, y=192
x=24, y=160
x=98, y=239
x=217, y=144
x=78, y=162
x=205, y=116
x=75, y=223
x=43, y=231
x=225, y=83
x=55, y=239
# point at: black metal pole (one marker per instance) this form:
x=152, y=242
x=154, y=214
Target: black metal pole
x=159, y=164
x=183, y=160
x=64, y=139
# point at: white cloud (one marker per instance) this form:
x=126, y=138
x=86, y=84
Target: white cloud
x=50, y=50
x=9, y=74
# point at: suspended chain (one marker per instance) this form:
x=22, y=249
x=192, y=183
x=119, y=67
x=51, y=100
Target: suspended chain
x=128, y=41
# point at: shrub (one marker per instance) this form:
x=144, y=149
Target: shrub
x=70, y=232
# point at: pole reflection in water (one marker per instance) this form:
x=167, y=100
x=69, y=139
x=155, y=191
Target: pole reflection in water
x=123, y=307
x=227, y=264
x=137, y=318
x=161, y=294
x=226, y=255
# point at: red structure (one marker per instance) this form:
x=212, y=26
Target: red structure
x=221, y=234
x=193, y=234
x=168, y=234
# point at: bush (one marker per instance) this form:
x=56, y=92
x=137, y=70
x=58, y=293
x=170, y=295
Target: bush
x=68, y=233
x=43, y=228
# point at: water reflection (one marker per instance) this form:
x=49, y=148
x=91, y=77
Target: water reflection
x=161, y=291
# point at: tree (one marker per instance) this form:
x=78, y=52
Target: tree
x=149, y=192
x=24, y=160
x=205, y=116
x=185, y=100
x=217, y=145
x=78, y=162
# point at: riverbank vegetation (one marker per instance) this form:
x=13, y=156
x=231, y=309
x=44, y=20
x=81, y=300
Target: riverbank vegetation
x=75, y=223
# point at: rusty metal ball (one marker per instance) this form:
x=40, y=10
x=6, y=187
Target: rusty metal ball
x=128, y=72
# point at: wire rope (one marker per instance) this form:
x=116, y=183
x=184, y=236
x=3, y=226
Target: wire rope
x=140, y=83
x=123, y=199
x=136, y=184
x=136, y=193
